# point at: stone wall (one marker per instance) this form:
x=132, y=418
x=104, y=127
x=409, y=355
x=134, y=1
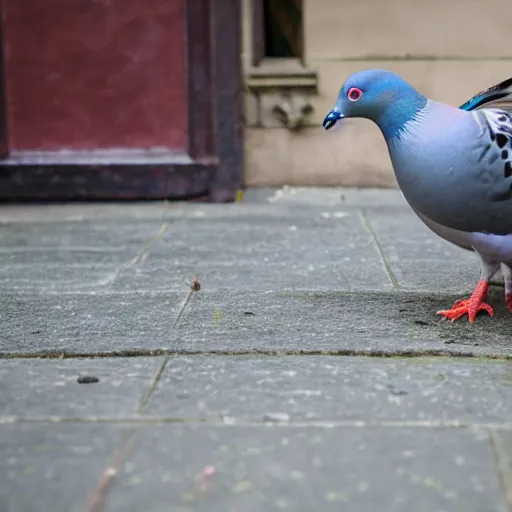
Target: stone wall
x=448, y=49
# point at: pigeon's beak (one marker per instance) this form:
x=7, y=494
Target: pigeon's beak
x=332, y=118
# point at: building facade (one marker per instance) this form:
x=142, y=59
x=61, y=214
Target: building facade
x=448, y=49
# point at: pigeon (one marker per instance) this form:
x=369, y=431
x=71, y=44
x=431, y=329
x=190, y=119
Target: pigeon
x=452, y=164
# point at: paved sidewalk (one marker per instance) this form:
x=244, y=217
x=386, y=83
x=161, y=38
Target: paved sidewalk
x=309, y=371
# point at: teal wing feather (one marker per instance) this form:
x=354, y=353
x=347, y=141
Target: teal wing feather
x=498, y=94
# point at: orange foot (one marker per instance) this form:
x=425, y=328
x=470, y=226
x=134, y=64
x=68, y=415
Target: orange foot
x=508, y=301
x=472, y=305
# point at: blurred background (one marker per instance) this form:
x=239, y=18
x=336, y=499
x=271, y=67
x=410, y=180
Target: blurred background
x=448, y=49
x=123, y=99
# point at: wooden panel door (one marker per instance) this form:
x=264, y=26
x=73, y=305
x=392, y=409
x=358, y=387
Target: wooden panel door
x=120, y=99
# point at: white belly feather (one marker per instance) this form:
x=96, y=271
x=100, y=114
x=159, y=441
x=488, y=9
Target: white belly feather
x=491, y=247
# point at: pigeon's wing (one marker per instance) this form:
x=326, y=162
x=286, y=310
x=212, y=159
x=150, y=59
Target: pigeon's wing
x=492, y=168
x=493, y=111
x=497, y=96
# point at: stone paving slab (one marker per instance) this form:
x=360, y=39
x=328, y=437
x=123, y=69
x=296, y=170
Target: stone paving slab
x=257, y=254
x=334, y=389
x=63, y=278
x=266, y=211
x=70, y=256
x=327, y=197
x=87, y=323
x=35, y=388
x=390, y=323
x=254, y=246
x=299, y=198
x=19, y=260
x=419, y=259
x=304, y=469
x=88, y=233
x=270, y=246
x=261, y=388
x=99, y=211
x=502, y=440
x=252, y=275
x=286, y=272
x=340, y=323
x=52, y=467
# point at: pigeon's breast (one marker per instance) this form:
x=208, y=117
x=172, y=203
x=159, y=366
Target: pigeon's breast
x=432, y=161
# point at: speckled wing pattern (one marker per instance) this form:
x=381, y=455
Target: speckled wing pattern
x=493, y=111
x=496, y=153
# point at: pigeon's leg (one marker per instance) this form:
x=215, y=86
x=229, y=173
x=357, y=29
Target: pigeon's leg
x=506, y=270
x=476, y=302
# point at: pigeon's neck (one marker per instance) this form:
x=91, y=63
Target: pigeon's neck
x=394, y=117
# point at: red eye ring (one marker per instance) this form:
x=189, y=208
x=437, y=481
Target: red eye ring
x=354, y=94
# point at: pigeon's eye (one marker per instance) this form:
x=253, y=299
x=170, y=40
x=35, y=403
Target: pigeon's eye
x=354, y=94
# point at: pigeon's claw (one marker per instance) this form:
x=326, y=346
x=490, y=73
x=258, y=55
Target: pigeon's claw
x=470, y=306
x=466, y=307
x=508, y=301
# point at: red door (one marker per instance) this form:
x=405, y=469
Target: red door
x=120, y=99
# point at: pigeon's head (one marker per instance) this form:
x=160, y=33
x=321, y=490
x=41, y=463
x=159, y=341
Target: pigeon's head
x=379, y=95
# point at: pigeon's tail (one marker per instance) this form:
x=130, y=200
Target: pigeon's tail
x=499, y=95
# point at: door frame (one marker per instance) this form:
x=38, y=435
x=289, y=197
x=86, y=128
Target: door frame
x=214, y=169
